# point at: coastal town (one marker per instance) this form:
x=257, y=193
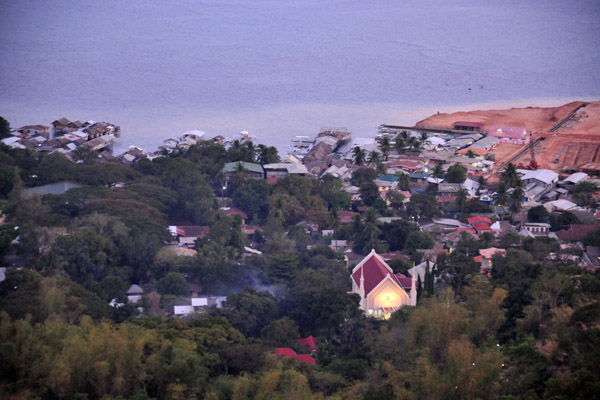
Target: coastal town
x=354, y=228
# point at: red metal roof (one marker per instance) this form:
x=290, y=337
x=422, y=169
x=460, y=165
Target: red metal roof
x=480, y=226
x=375, y=271
x=473, y=220
x=306, y=359
x=478, y=258
x=286, y=352
x=446, y=199
x=576, y=233
x=192, y=231
x=404, y=280
x=234, y=211
x=470, y=230
x=309, y=342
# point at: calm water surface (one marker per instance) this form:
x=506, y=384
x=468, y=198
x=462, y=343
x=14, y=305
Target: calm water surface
x=285, y=68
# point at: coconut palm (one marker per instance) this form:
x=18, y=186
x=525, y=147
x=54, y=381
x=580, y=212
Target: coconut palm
x=385, y=147
x=359, y=156
x=510, y=176
x=438, y=171
x=516, y=198
x=370, y=229
x=374, y=158
x=461, y=199
x=399, y=144
x=501, y=196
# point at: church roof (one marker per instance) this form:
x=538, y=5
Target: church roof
x=375, y=270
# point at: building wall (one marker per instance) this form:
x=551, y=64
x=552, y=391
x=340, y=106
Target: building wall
x=388, y=294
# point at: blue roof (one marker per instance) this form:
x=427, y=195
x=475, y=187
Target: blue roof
x=418, y=176
x=389, y=178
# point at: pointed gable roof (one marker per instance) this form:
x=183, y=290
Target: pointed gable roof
x=374, y=270
x=309, y=342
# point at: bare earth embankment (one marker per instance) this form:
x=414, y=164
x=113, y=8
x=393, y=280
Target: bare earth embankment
x=577, y=142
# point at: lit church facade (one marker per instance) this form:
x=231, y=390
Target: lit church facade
x=381, y=291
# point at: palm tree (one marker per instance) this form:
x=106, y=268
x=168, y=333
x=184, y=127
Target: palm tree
x=385, y=147
x=414, y=143
x=370, y=229
x=359, y=156
x=515, y=201
x=267, y=154
x=374, y=158
x=438, y=171
x=501, y=195
x=399, y=144
x=424, y=136
x=510, y=176
x=461, y=199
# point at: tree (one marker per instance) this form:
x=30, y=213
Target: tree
x=461, y=199
x=516, y=198
x=438, y=171
x=281, y=332
x=85, y=154
x=369, y=193
x=583, y=193
x=172, y=283
x=252, y=197
x=399, y=143
x=418, y=240
x=456, y=174
x=395, y=233
x=363, y=175
x=4, y=128
x=370, y=231
x=374, y=158
x=538, y=214
x=501, y=195
x=422, y=204
x=385, y=147
x=396, y=200
x=267, y=154
x=470, y=154
x=250, y=311
x=403, y=181
x=510, y=176
x=358, y=156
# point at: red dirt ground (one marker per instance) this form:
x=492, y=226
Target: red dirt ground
x=575, y=143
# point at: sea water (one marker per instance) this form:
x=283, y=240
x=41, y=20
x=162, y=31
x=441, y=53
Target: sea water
x=281, y=68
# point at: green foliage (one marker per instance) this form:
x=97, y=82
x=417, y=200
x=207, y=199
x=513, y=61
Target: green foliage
x=4, y=128
x=423, y=205
x=418, y=240
x=282, y=332
x=27, y=293
x=369, y=193
x=172, y=283
x=456, y=174
x=363, y=175
x=250, y=311
x=252, y=197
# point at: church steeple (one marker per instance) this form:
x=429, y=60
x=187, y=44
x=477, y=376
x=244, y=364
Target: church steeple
x=361, y=290
x=413, y=288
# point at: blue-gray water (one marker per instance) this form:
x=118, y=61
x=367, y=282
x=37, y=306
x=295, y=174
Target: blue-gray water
x=288, y=67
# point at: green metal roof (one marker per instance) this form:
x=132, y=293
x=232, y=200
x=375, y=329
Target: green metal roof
x=232, y=167
x=389, y=178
